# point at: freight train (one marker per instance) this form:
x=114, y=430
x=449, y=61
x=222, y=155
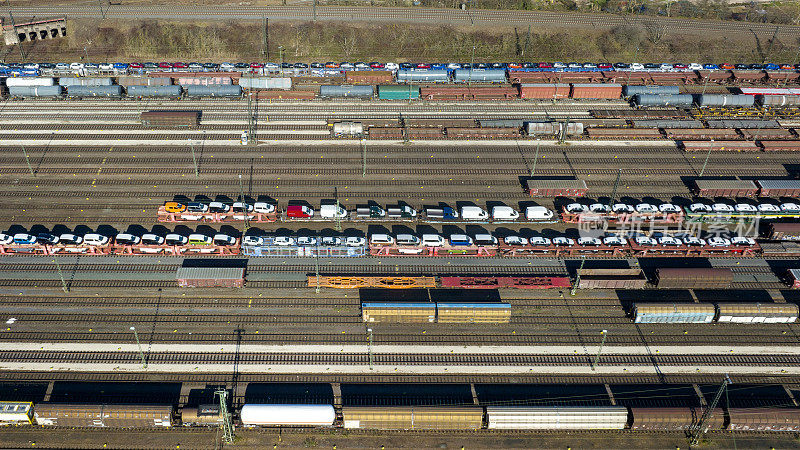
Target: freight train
x=432, y=418
x=644, y=89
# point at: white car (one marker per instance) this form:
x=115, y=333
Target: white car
x=614, y=241
x=253, y=240
x=127, y=239
x=306, y=240
x=644, y=240
x=152, y=239
x=669, y=241
x=433, y=240
x=242, y=207
x=70, y=239
x=599, y=208
x=539, y=240
x=176, y=239
x=576, y=208
x=454, y=66
x=331, y=241
x=718, y=242
x=106, y=66
x=95, y=239
x=24, y=239
x=589, y=241
x=264, y=208
x=669, y=208
x=563, y=241
x=381, y=239
x=355, y=241
x=699, y=208
x=665, y=67
x=226, y=67
x=6, y=239
x=694, y=241
x=722, y=208
x=218, y=207
x=695, y=66
x=768, y=208
x=284, y=241
x=622, y=208
x=515, y=240
x=745, y=208
x=223, y=239
x=76, y=66
x=740, y=240
x=392, y=66
x=790, y=207
x=646, y=208
x=637, y=66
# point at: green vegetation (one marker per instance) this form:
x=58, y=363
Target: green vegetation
x=152, y=40
x=778, y=12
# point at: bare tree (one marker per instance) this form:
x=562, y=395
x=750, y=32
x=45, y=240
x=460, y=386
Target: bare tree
x=655, y=31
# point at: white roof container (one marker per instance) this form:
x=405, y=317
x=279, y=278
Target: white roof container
x=288, y=415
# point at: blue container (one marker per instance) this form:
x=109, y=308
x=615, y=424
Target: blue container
x=154, y=91
x=485, y=75
x=94, y=91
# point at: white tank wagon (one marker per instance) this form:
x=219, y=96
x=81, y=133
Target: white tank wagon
x=29, y=81
x=557, y=418
x=270, y=415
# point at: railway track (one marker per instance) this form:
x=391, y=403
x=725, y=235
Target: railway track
x=395, y=359
x=467, y=335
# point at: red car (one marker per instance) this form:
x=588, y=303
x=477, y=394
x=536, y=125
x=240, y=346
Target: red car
x=135, y=66
x=256, y=66
x=787, y=67
x=545, y=65
x=164, y=65
x=376, y=65
x=180, y=65
x=605, y=66
x=332, y=65
x=679, y=66
x=514, y=65
x=727, y=66
x=423, y=66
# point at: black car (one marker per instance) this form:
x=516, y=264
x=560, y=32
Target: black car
x=286, y=65
x=622, y=66
x=652, y=66
x=406, y=65
x=241, y=66
x=756, y=67
x=47, y=66
x=300, y=66
x=210, y=66
x=47, y=238
x=741, y=66
x=530, y=65
x=150, y=65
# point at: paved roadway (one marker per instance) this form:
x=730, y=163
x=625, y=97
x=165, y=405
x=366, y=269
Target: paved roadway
x=407, y=15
